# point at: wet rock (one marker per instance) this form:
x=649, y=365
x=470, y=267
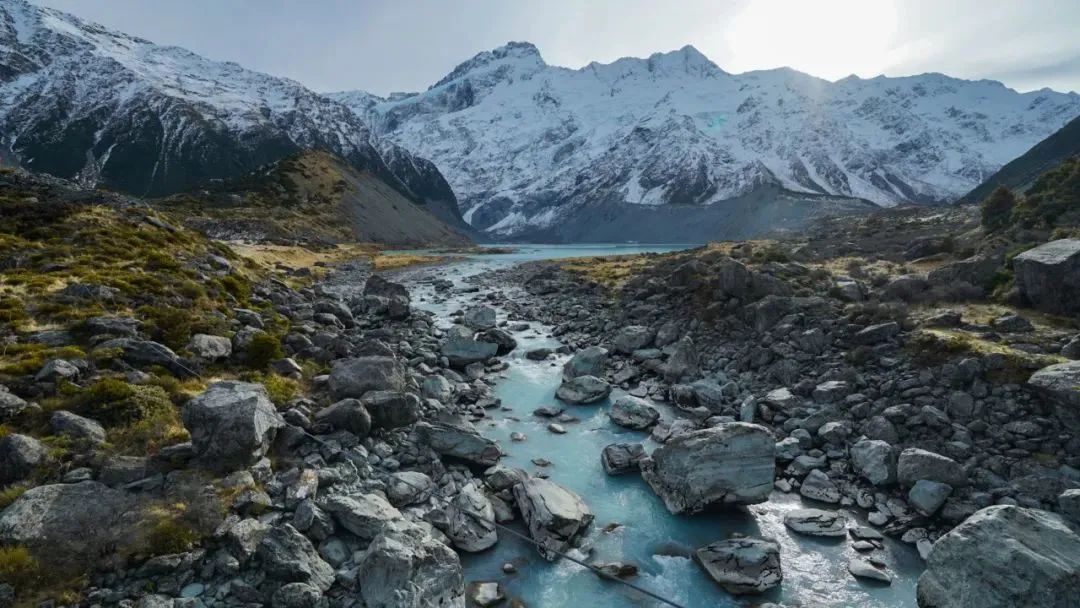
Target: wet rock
x=231, y=424
x=860, y=568
x=461, y=351
x=480, y=318
x=502, y=339
x=622, y=458
x=458, y=441
x=20, y=455
x=583, y=390
x=538, y=354
x=817, y=486
x=915, y=464
x=1048, y=276
x=287, y=555
x=362, y=514
x=471, y=520
x=1058, y=383
x=816, y=522
x=586, y=362
x=875, y=461
x=349, y=415
x=354, y=377
x=554, y=515
x=1004, y=556
x=406, y=567
x=742, y=565
x=484, y=594
x=633, y=413
x=728, y=464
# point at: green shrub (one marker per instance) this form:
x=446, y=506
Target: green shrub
x=168, y=535
x=997, y=209
x=280, y=389
x=19, y=568
x=236, y=287
x=170, y=326
x=114, y=402
x=10, y=494
x=263, y=349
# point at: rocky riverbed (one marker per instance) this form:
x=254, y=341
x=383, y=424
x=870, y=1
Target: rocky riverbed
x=790, y=437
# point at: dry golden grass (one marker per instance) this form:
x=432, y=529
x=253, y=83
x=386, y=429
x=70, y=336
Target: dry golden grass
x=296, y=257
x=396, y=261
x=609, y=271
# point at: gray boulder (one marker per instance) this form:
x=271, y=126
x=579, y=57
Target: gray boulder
x=480, y=317
x=11, y=405
x=437, y=387
x=1004, y=556
x=622, y=458
x=554, y=515
x=146, y=353
x=210, y=348
x=583, y=390
x=915, y=464
x=461, y=351
x=406, y=567
x=504, y=342
x=1048, y=276
x=67, y=526
x=631, y=338
x=729, y=464
x=76, y=427
x=1069, y=505
x=875, y=461
x=460, y=441
x=471, y=519
x=347, y=415
x=683, y=362
x=817, y=486
x=231, y=424
x=354, y=377
x=392, y=409
x=288, y=556
x=20, y=455
x=56, y=370
x=816, y=522
x=408, y=487
x=364, y=515
x=586, y=362
x=1058, y=383
x=875, y=334
x=927, y=496
x=742, y=565
x=633, y=413
x=978, y=270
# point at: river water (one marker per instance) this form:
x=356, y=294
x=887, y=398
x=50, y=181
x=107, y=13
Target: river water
x=658, y=543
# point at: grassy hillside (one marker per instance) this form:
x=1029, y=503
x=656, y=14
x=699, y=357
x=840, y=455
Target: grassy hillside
x=1020, y=174
x=311, y=197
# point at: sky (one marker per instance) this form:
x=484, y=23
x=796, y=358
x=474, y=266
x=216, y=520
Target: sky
x=406, y=45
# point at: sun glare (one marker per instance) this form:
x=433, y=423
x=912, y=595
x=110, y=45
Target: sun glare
x=826, y=38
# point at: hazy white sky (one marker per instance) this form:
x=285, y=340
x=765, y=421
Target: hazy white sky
x=406, y=45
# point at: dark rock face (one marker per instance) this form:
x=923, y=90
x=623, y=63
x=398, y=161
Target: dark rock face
x=232, y=425
x=1048, y=276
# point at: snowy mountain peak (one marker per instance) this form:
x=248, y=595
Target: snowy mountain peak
x=511, y=57
x=528, y=146
x=81, y=101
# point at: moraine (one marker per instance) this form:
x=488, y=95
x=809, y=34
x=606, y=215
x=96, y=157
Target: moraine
x=815, y=569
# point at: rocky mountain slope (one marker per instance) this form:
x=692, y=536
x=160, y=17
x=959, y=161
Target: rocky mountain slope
x=315, y=197
x=83, y=102
x=527, y=145
x=1020, y=173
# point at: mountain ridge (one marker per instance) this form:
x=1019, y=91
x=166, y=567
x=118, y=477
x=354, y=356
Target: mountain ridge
x=81, y=101
x=525, y=144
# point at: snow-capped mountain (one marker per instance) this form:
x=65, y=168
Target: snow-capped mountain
x=80, y=101
x=527, y=146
